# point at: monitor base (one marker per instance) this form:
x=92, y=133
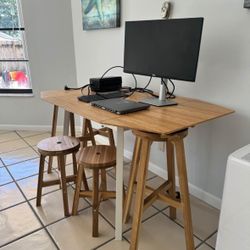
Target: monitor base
x=158, y=103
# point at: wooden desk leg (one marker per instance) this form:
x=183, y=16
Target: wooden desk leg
x=72, y=125
x=53, y=133
x=171, y=174
x=132, y=178
x=140, y=190
x=66, y=123
x=182, y=171
x=119, y=183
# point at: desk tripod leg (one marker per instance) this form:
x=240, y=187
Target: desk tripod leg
x=171, y=174
x=182, y=171
x=53, y=133
x=132, y=179
x=140, y=190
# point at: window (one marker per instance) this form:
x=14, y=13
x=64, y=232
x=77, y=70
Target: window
x=14, y=63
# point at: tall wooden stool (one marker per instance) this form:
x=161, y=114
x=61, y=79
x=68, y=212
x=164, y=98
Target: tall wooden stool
x=58, y=146
x=165, y=192
x=97, y=158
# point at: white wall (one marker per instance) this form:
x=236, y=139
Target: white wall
x=49, y=35
x=223, y=78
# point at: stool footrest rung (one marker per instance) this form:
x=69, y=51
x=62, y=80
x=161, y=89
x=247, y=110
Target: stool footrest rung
x=154, y=194
x=172, y=202
x=103, y=194
x=48, y=183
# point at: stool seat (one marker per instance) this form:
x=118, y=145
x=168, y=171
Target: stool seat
x=99, y=156
x=58, y=145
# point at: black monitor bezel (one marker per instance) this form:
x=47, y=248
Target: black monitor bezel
x=165, y=76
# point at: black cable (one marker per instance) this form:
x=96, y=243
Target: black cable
x=148, y=82
x=69, y=88
x=172, y=93
x=169, y=95
x=166, y=86
x=113, y=67
x=81, y=88
x=118, y=66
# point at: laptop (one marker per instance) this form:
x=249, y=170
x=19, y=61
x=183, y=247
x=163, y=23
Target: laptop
x=120, y=106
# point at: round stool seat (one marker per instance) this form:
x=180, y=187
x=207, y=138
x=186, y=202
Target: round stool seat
x=99, y=156
x=58, y=145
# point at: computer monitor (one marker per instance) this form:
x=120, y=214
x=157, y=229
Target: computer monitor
x=163, y=48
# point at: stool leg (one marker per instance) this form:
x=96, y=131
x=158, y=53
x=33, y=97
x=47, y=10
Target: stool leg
x=132, y=177
x=95, y=207
x=77, y=190
x=40, y=181
x=103, y=180
x=84, y=181
x=171, y=174
x=74, y=165
x=181, y=164
x=53, y=133
x=64, y=185
x=140, y=190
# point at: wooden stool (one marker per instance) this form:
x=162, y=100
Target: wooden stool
x=58, y=146
x=88, y=134
x=99, y=157
x=166, y=191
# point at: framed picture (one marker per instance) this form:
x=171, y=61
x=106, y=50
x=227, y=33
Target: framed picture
x=100, y=14
x=247, y=4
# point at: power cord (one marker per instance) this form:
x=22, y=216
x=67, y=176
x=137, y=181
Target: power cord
x=169, y=95
x=118, y=66
x=81, y=88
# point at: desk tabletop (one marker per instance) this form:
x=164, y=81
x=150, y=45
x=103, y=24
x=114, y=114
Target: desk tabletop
x=162, y=120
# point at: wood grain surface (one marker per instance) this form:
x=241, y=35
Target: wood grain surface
x=163, y=120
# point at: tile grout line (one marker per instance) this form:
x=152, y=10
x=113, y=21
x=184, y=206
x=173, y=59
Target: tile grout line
x=179, y=224
x=40, y=221
x=201, y=240
x=29, y=145
x=15, y=163
x=31, y=199
x=20, y=137
x=21, y=237
x=204, y=241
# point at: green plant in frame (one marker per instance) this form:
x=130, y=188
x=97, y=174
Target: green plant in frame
x=100, y=14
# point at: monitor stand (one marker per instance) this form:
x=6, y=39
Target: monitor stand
x=161, y=101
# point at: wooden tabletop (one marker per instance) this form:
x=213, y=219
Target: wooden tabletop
x=163, y=120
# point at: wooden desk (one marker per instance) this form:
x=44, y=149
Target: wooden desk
x=161, y=120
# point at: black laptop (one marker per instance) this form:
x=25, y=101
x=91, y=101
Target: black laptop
x=120, y=106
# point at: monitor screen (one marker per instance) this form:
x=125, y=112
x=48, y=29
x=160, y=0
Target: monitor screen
x=163, y=48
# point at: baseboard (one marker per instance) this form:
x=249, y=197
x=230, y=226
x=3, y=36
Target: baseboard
x=32, y=127
x=194, y=190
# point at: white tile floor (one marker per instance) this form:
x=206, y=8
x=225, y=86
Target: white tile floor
x=24, y=226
